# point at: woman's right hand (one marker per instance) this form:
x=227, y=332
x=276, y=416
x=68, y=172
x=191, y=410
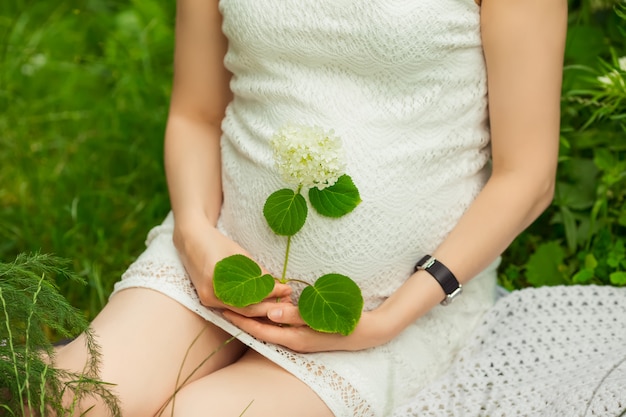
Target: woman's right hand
x=200, y=246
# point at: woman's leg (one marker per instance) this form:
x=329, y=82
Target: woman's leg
x=143, y=337
x=266, y=389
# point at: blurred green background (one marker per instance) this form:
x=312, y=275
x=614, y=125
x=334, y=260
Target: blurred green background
x=84, y=88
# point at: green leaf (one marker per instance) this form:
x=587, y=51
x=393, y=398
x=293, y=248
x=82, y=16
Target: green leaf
x=583, y=276
x=604, y=159
x=336, y=200
x=576, y=196
x=238, y=281
x=285, y=212
x=583, y=42
x=543, y=266
x=616, y=254
x=590, y=261
x=618, y=278
x=571, y=230
x=332, y=305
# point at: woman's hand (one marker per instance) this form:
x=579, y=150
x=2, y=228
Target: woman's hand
x=200, y=246
x=285, y=327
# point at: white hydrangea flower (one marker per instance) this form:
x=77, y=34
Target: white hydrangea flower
x=605, y=79
x=614, y=77
x=308, y=156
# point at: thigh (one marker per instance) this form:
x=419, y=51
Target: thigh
x=253, y=384
x=144, y=337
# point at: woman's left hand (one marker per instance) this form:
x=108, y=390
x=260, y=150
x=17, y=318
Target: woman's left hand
x=286, y=328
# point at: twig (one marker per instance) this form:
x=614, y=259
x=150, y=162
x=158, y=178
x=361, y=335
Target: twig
x=248, y=406
x=179, y=387
x=595, y=391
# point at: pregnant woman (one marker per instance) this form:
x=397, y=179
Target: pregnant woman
x=448, y=112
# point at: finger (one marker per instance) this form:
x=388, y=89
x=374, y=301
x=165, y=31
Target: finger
x=285, y=314
x=268, y=332
x=297, y=338
x=280, y=290
x=258, y=309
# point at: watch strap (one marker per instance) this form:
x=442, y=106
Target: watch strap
x=442, y=275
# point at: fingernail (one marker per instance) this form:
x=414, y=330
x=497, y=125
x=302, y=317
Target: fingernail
x=275, y=314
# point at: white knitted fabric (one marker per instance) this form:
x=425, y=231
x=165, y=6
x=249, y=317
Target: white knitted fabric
x=403, y=84
x=546, y=352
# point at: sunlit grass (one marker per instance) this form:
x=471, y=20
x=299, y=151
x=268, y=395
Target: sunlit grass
x=84, y=89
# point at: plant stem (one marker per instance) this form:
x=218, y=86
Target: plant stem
x=27, y=350
x=42, y=391
x=246, y=409
x=178, y=387
x=180, y=369
x=13, y=353
x=297, y=280
x=282, y=278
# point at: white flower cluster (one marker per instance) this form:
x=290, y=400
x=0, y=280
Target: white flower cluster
x=308, y=156
x=614, y=76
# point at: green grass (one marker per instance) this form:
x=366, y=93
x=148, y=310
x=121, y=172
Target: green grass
x=84, y=90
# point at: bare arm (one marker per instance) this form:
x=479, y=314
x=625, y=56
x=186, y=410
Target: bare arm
x=523, y=45
x=199, y=98
x=200, y=95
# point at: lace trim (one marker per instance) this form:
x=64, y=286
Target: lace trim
x=175, y=283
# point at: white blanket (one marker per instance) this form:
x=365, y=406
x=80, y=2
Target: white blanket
x=550, y=351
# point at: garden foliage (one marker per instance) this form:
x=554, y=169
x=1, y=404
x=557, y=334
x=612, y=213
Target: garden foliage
x=84, y=90
x=581, y=238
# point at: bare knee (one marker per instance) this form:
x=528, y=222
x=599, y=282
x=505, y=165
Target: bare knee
x=150, y=346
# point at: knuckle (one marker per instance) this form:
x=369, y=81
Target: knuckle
x=299, y=345
x=290, y=319
x=247, y=312
x=206, y=295
x=293, y=316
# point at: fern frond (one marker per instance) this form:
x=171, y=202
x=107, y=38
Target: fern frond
x=30, y=304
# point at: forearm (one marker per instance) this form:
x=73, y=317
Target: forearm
x=481, y=235
x=495, y=218
x=193, y=168
x=200, y=95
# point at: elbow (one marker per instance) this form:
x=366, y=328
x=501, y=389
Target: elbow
x=534, y=192
x=543, y=194
x=546, y=195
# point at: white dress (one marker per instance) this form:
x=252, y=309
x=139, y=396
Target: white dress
x=403, y=83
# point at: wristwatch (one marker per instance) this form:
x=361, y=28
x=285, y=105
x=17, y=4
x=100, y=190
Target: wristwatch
x=444, y=277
